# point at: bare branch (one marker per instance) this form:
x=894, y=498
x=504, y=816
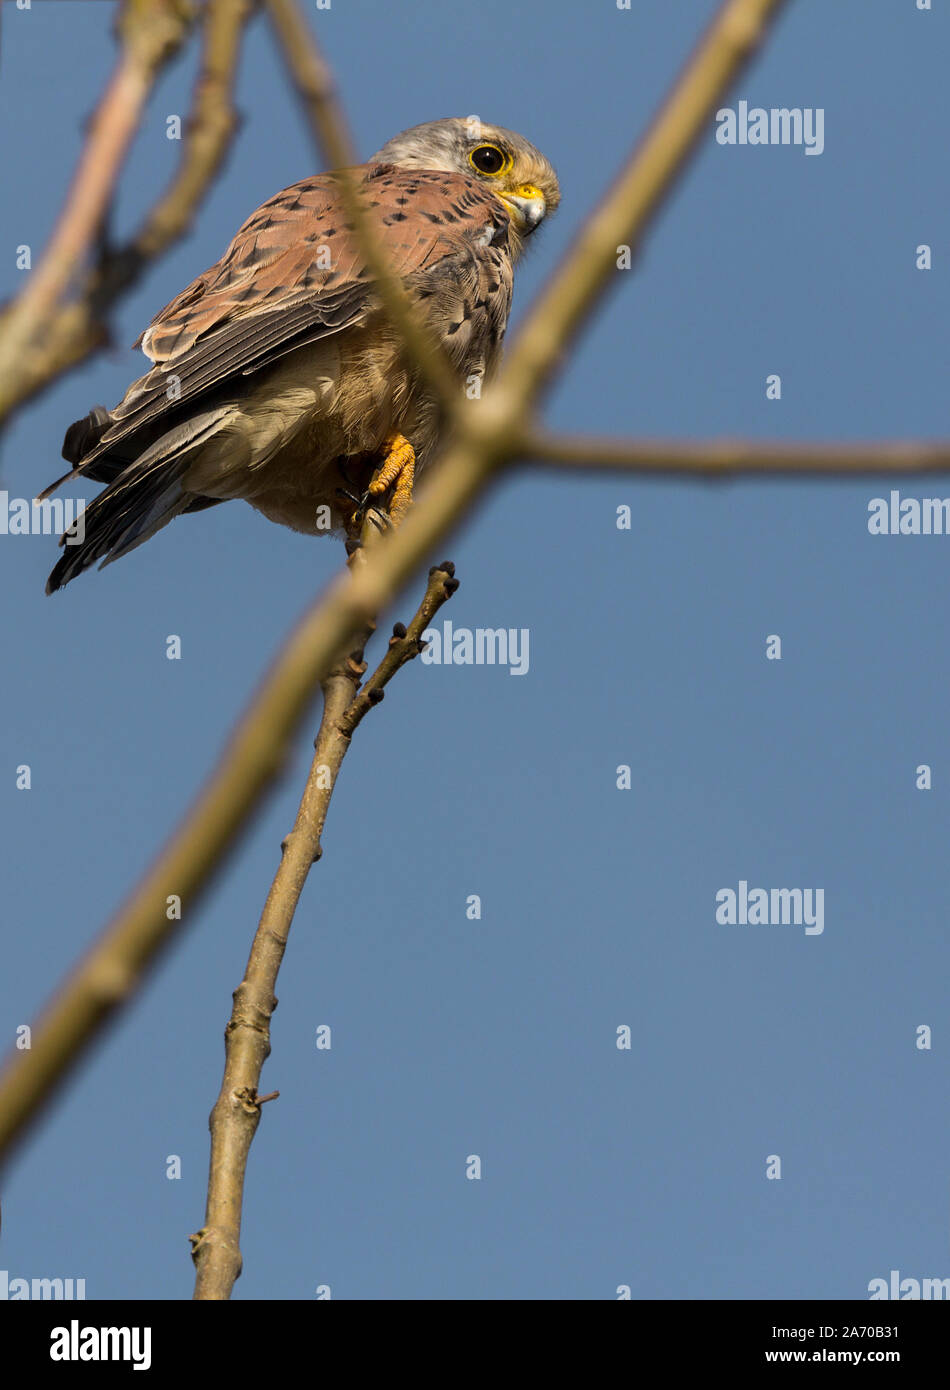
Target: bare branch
x=40, y=337
x=151, y=32
x=717, y=458
x=623, y=217
x=403, y=645
x=234, y=1119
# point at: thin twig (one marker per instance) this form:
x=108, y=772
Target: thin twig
x=404, y=644
x=234, y=1119
x=717, y=458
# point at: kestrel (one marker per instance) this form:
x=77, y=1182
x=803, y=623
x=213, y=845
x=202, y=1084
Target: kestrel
x=278, y=377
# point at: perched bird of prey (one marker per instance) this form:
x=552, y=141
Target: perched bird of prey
x=278, y=377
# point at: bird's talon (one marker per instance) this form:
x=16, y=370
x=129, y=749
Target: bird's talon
x=399, y=468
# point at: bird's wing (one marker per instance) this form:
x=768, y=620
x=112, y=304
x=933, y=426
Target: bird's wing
x=293, y=274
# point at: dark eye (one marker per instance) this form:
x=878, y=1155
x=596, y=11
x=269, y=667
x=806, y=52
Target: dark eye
x=488, y=159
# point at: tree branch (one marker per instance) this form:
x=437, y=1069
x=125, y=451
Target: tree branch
x=40, y=337
x=723, y=458
x=234, y=1119
x=623, y=217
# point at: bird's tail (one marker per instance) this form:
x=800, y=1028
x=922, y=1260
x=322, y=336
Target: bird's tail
x=138, y=502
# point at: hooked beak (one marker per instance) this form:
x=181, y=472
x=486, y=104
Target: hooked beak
x=527, y=207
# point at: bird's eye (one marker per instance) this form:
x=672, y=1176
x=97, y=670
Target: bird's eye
x=488, y=159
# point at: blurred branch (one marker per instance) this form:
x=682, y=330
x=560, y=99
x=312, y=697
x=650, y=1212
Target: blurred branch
x=314, y=83
x=42, y=337
x=256, y=752
x=210, y=128
x=718, y=458
x=624, y=216
x=234, y=1119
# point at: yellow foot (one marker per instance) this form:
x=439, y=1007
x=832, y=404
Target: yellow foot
x=399, y=467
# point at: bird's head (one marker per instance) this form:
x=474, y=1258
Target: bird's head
x=497, y=158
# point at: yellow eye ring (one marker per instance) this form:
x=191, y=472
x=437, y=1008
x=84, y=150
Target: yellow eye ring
x=490, y=160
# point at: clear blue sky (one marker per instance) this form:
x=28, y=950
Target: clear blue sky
x=647, y=647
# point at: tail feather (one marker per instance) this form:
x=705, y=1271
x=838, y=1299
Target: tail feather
x=84, y=435
x=142, y=499
x=81, y=438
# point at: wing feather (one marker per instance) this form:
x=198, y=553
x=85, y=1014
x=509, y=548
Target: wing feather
x=292, y=274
